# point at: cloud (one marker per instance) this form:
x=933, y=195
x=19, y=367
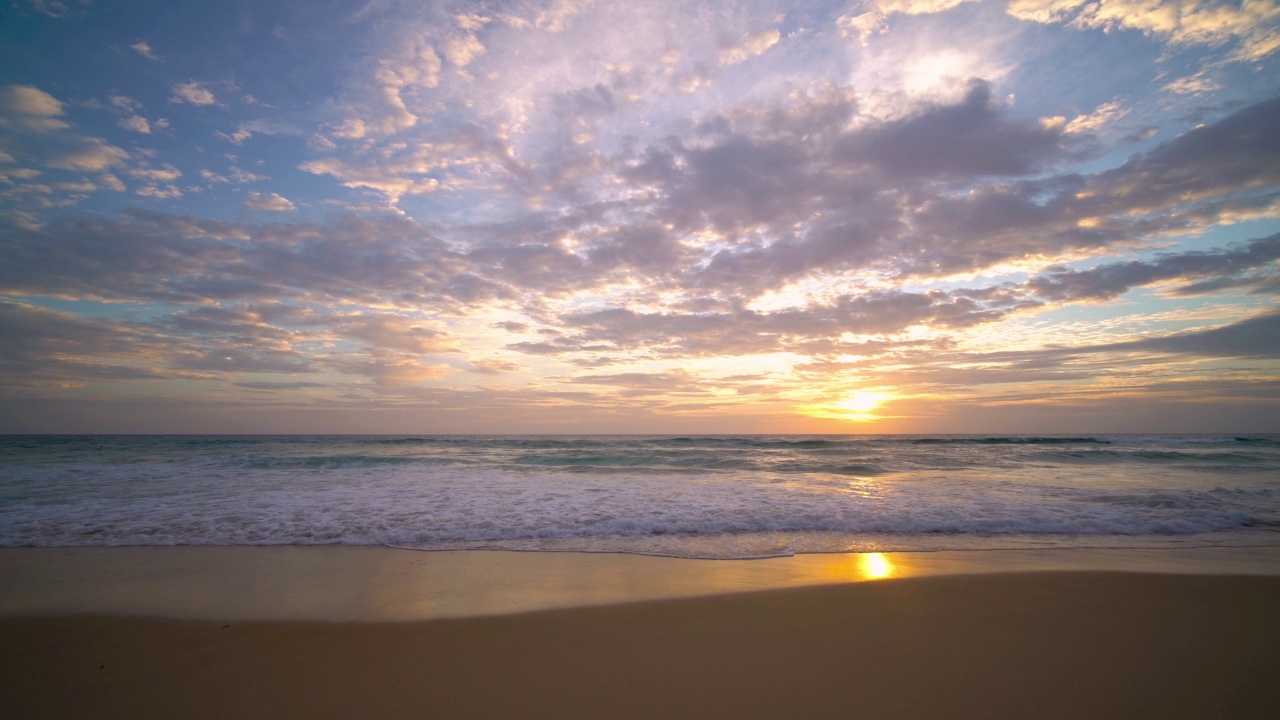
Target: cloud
x=381, y=109
x=744, y=331
x=645, y=384
x=156, y=192
x=749, y=46
x=1250, y=26
x=1256, y=337
x=135, y=123
x=1103, y=116
x=396, y=332
x=56, y=8
x=46, y=347
x=1108, y=281
x=166, y=173
x=495, y=367
x=1234, y=154
x=393, y=372
x=236, y=138
x=269, y=202
x=157, y=257
x=966, y=139
x=875, y=18
x=1197, y=84
x=23, y=107
x=144, y=49
x=390, y=181
x=111, y=182
x=558, y=13
x=192, y=92
x=461, y=50
x=88, y=155
x=274, y=386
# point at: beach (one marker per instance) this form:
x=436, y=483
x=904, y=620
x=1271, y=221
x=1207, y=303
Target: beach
x=266, y=632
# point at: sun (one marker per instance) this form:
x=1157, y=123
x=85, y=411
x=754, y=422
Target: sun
x=862, y=402
x=852, y=406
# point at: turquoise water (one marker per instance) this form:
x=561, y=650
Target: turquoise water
x=698, y=496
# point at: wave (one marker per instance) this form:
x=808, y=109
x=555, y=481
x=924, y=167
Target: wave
x=1009, y=440
x=469, y=507
x=326, y=462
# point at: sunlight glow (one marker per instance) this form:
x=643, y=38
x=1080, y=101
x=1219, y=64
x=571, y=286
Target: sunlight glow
x=856, y=406
x=863, y=401
x=874, y=566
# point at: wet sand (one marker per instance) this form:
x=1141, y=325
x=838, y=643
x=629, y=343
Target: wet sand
x=1042, y=644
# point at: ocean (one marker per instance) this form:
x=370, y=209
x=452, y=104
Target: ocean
x=682, y=496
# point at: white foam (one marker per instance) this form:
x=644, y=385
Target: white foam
x=429, y=506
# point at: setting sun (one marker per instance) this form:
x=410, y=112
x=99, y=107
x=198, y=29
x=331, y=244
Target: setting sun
x=864, y=401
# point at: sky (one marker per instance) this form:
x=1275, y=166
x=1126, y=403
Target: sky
x=577, y=216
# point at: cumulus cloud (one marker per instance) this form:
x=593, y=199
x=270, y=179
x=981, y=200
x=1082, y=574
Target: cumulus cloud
x=1196, y=84
x=393, y=372
x=495, y=367
x=235, y=138
x=165, y=173
x=87, y=155
x=135, y=123
x=269, y=202
x=1108, y=281
x=749, y=46
x=143, y=48
x=970, y=138
x=1103, y=116
x=158, y=192
x=46, y=347
x=382, y=109
x=24, y=107
x=55, y=8
x=1250, y=26
x=461, y=50
x=192, y=92
x=397, y=332
x=558, y=13
x=1255, y=337
x=778, y=232
x=874, y=18
x=179, y=259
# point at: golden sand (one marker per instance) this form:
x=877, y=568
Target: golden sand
x=379, y=633
x=1027, y=645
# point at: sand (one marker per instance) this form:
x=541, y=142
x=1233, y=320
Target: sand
x=1019, y=644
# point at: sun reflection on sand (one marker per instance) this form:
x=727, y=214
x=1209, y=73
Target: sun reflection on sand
x=874, y=566
x=858, y=566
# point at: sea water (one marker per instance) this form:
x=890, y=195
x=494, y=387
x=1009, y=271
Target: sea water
x=686, y=496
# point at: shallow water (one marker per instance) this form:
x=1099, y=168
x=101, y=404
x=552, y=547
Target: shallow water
x=689, y=496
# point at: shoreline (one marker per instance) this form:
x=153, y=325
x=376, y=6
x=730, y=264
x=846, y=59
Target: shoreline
x=339, y=583
x=1048, y=644
x=370, y=632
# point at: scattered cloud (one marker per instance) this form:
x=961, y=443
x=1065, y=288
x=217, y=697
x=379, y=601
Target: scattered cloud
x=749, y=46
x=144, y=49
x=269, y=202
x=495, y=367
x=87, y=155
x=1197, y=84
x=1103, y=116
x=663, y=210
x=55, y=8
x=874, y=18
x=1250, y=26
x=27, y=108
x=235, y=138
x=192, y=92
